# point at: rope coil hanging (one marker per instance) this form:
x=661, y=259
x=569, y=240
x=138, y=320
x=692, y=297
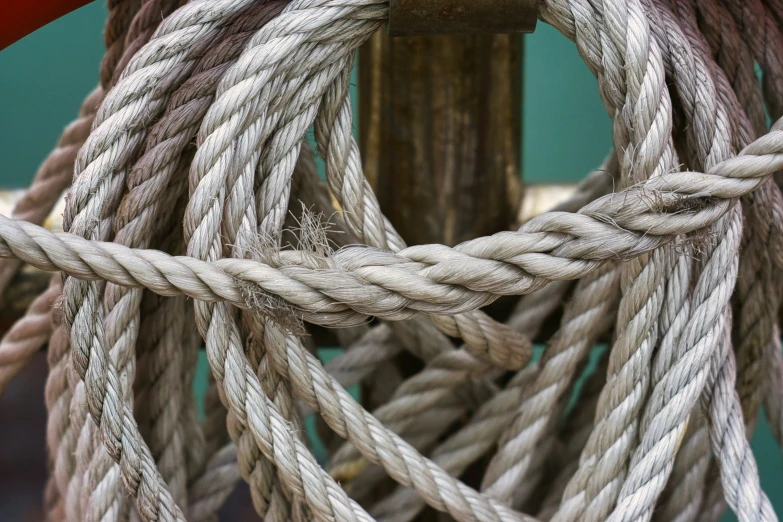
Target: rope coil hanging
x=186, y=162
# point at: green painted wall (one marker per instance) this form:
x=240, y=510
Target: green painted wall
x=566, y=131
x=45, y=77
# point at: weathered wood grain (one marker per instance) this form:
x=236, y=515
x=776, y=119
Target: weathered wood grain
x=440, y=132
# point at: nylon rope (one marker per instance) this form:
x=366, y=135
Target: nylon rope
x=195, y=217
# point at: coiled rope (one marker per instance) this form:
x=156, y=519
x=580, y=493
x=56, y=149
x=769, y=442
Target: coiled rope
x=186, y=161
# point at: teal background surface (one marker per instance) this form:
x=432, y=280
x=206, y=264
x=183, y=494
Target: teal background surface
x=45, y=76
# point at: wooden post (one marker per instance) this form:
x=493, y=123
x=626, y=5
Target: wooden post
x=440, y=121
x=440, y=132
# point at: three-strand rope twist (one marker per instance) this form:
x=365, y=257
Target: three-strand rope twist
x=185, y=162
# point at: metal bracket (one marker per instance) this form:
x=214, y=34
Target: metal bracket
x=430, y=17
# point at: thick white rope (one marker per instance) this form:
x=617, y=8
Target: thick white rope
x=673, y=337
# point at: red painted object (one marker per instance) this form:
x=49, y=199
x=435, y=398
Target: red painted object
x=18, y=18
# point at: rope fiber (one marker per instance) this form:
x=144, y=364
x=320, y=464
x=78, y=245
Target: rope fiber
x=195, y=217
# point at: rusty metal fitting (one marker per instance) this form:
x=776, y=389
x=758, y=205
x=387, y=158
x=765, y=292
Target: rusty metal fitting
x=429, y=17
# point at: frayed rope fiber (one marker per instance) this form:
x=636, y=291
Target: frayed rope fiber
x=182, y=228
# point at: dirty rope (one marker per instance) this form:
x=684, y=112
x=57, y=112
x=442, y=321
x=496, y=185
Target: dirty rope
x=195, y=217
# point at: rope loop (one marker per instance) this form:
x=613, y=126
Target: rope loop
x=187, y=161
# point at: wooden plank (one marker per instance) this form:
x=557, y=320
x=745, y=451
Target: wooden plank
x=440, y=132
x=440, y=124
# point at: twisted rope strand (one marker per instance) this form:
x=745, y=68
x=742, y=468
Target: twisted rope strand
x=758, y=301
x=205, y=234
x=227, y=90
x=154, y=178
x=584, y=319
x=89, y=198
x=650, y=464
x=121, y=12
x=763, y=35
x=492, y=419
x=240, y=224
x=736, y=61
x=222, y=280
x=219, y=327
x=594, y=488
x=574, y=434
x=738, y=471
x=437, y=382
x=442, y=375
x=682, y=498
x=654, y=458
x=311, y=383
x=60, y=439
x=483, y=337
x=121, y=313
